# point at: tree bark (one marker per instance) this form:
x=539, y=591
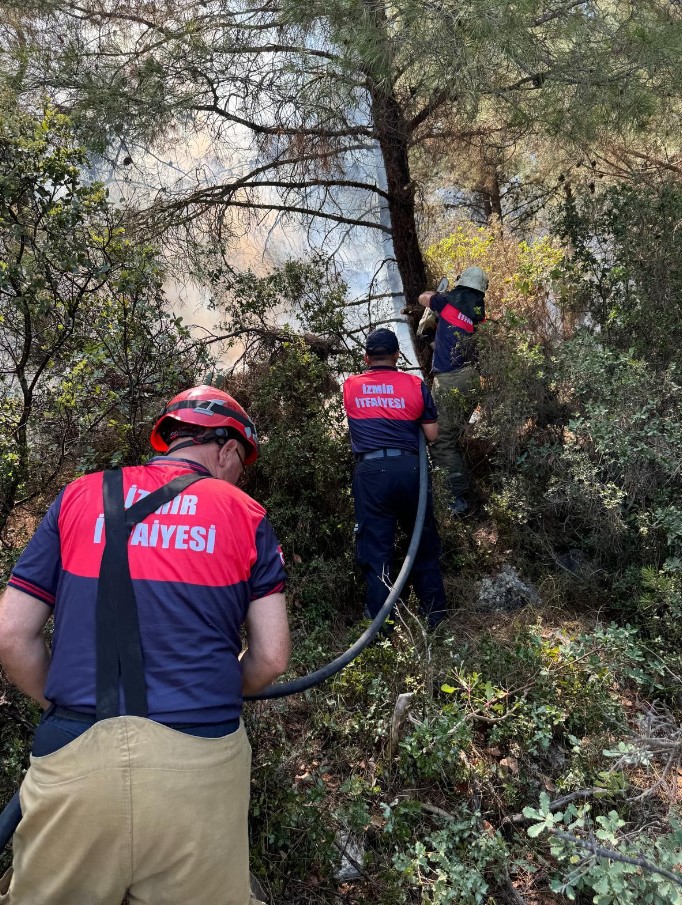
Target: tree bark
x=393, y=132
x=495, y=194
x=393, y=135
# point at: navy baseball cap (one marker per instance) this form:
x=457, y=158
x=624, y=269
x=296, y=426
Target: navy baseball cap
x=381, y=340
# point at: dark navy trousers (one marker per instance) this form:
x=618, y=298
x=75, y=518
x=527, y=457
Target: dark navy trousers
x=386, y=493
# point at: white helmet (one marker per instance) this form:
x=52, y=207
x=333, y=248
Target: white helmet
x=473, y=278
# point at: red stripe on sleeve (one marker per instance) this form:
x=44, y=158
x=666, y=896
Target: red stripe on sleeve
x=278, y=588
x=455, y=317
x=29, y=588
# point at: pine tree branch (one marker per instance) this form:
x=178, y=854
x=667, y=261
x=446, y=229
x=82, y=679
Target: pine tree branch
x=305, y=211
x=601, y=852
x=261, y=129
x=224, y=192
x=557, y=13
x=436, y=101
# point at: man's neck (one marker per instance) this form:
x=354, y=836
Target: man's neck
x=189, y=455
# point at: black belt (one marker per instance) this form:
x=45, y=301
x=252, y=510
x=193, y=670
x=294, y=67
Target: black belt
x=387, y=452
x=65, y=713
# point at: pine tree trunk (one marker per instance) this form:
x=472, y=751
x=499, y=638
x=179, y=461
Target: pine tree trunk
x=393, y=135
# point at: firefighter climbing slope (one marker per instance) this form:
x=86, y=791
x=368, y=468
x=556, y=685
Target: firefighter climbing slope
x=454, y=358
x=387, y=410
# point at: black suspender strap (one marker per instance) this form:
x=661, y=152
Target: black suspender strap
x=139, y=511
x=117, y=628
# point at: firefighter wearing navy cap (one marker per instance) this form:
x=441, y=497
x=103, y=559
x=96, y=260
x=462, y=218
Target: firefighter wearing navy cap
x=386, y=410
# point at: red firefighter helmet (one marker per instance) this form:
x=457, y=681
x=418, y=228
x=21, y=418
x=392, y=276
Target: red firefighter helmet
x=205, y=406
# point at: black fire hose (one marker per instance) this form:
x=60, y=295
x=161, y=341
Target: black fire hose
x=9, y=820
x=325, y=672
x=10, y=817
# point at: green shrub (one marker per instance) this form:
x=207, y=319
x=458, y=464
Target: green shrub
x=626, y=267
x=432, y=750
x=612, y=882
x=456, y=865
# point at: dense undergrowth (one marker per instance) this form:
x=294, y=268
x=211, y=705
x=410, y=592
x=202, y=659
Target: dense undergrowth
x=504, y=712
x=550, y=701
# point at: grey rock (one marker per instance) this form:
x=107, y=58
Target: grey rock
x=506, y=592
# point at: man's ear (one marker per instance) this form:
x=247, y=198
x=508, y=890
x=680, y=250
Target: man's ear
x=365, y=358
x=226, y=450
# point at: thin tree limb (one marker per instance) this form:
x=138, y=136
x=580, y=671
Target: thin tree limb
x=601, y=852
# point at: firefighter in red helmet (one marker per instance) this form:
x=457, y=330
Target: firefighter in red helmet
x=151, y=800
x=206, y=415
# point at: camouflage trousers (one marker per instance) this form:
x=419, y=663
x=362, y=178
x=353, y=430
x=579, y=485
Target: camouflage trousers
x=455, y=394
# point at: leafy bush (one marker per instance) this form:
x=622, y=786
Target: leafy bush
x=559, y=690
x=456, y=863
x=291, y=832
x=584, y=444
x=522, y=274
x=613, y=882
x=432, y=750
x=626, y=267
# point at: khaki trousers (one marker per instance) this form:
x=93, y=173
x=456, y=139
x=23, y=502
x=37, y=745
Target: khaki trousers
x=133, y=807
x=454, y=393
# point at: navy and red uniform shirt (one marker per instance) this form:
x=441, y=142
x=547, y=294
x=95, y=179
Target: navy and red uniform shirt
x=385, y=408
x=459, y=312
x=196, y=563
